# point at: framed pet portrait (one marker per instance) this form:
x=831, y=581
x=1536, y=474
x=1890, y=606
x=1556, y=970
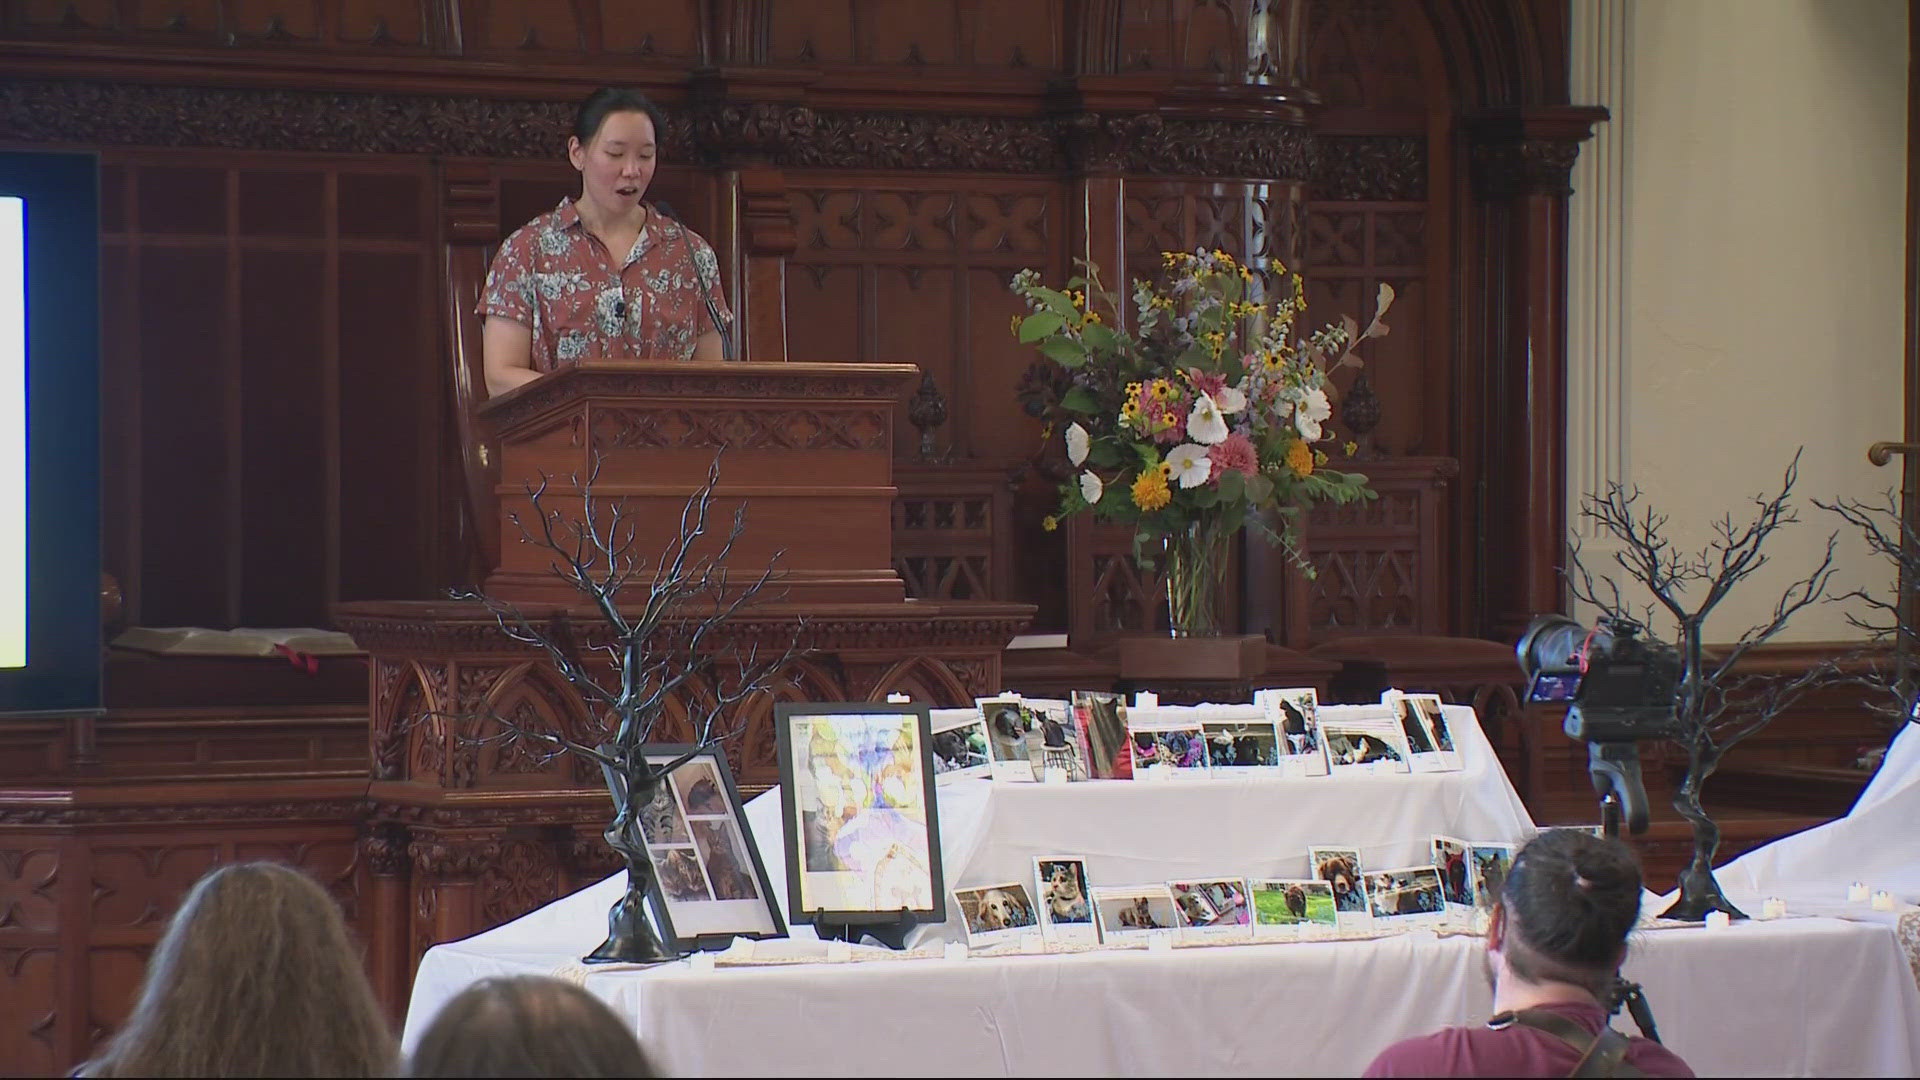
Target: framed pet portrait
x=857, y=804
x=713, y=886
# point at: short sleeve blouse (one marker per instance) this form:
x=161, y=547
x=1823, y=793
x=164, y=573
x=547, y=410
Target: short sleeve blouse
x=556, y=278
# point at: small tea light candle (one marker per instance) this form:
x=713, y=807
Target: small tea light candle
x=1161, y=941
x=1146, y=699
x=1054, y=774
x=741, y=949
x=839, y=952
x=1774, y=908
x=1033, y=942
x=956, y=950
x=1718, y=920
x=897, y=698
x=1882, y=900
x=1857, y=892
x=701, y=961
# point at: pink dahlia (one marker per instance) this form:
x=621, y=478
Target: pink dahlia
x=1206, y=382
x=1234, y=452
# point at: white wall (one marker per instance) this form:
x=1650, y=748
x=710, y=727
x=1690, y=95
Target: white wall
x=1762, y=186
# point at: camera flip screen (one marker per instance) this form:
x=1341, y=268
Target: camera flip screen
x=1549, y=687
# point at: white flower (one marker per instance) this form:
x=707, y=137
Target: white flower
x=1191, y=465
x=1091, y=488
x=1232, y=400
x=1205, y=424
x=1076, y=444
x=1313, y=408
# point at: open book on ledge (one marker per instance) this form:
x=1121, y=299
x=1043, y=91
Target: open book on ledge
x=242, y=641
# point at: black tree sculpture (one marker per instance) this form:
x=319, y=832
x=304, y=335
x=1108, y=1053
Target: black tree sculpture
x=648, y=641
x=1715, y=706
x=1888, y=673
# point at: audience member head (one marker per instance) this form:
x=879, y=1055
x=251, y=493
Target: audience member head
x=255, y=976
x=1569, y=902
x=527, y=1025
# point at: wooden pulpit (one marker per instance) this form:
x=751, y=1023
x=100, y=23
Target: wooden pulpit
x=807, y=447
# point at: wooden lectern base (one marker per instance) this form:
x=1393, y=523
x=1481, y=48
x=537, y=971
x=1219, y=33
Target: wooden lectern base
x=1144, y=658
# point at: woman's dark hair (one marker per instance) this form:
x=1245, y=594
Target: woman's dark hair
x=255, y=976
x=608, y=100
x=527, y=1025
x=1571, y=898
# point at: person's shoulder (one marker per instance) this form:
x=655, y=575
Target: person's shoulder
x=544, y=223
x=1653, y=1059
x=1422, y=1055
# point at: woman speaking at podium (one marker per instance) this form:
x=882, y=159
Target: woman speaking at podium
x=604, y=275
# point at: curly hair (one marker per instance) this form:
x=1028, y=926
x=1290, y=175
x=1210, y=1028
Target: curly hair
x=256, y=975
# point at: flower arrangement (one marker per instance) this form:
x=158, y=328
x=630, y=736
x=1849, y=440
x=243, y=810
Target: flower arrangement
x=1198, y=419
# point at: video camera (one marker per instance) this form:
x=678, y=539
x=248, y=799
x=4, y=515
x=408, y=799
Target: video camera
x=1619, y=689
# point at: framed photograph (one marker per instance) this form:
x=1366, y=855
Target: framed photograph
x=1213, y=909
x=857, y=804
x=996, y=914
x=1012, y=731
x=959, y=744
x=1291, y=908
x=1408, y=896
x=1132, y=914
x=1451, y=858
x=1341, y=869
x=1364, y=739
x=1490, y=863
x=713, y=885
x=1168, y=740
x=1295, y=713
x=1103, y=716
x=1424, y=722
x=1061, y=745
x=1066, y=906
x=1240, y=746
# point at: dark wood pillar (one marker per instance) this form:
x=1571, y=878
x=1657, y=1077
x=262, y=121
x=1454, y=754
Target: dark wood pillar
x=1517, y=303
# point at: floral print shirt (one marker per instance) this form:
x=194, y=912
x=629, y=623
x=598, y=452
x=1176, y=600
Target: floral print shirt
x=554, y=276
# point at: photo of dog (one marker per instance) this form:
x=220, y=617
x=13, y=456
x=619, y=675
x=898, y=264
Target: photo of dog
x=1241, y=745
x=991, y=910
x=1353, y=746
x=1063, y=891
x=1340, y=869
x=1174, y=748
x=699, y=788
x=1281, y=903
x=1210, y=903
x=1134, y=911
x=960, y=748
x=724, y=862
x=1490, y=863
x=1414, y=890
x=1294, y=713
x=680, y=876
x=660, y=819
x=1456, y=878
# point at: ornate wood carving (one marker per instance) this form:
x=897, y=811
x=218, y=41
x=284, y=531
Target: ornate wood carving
x=741, y=429
x=1371, y=167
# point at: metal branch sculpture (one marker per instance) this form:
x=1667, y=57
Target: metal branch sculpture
x=1891, y=678
x=650, y=641
x=1715, y=705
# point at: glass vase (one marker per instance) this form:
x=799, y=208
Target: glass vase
x=1196, y=562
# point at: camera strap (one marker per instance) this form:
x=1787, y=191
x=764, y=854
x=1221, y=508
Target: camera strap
x=1604, y=1054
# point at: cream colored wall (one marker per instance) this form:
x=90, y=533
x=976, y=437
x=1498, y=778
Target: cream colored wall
x=1764, y=199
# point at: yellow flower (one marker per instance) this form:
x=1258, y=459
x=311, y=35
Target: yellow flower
x=1016, y=325
x=1169, y=258
x=1276, y=266
x=1299, y=458
x=1092, y=317
x=1150, y=489
x=1049, y=523
x=1351, y=448
x=1319, y=457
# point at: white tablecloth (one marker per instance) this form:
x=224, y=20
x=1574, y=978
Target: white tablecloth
x=1799, y=997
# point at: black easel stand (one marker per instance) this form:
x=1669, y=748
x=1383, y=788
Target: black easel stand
x=886, y=927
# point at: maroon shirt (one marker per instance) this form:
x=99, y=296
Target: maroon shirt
x=558, y=279
x=1513, y=1051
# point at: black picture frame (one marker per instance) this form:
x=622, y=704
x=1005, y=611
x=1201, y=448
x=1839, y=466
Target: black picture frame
x=712, y=831
x=804, y=904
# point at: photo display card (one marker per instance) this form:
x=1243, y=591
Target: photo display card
x=996, y=914
x=1103, y=717
x=1212, y=909
x=857, y=804
x=1012, y=732
x=1133, y=914
x=1240, y=740
x=1489, y=871
x=1409, y=896
x=1344, y=873
x=712, y=882
x=1364, y=740
x=1295, y=714
x=1453, y=858
x=1066, y=902
x=1290, y=908
x=1424, y=723
x=1167, y=742
x=959, y=744
x=1061, y=746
